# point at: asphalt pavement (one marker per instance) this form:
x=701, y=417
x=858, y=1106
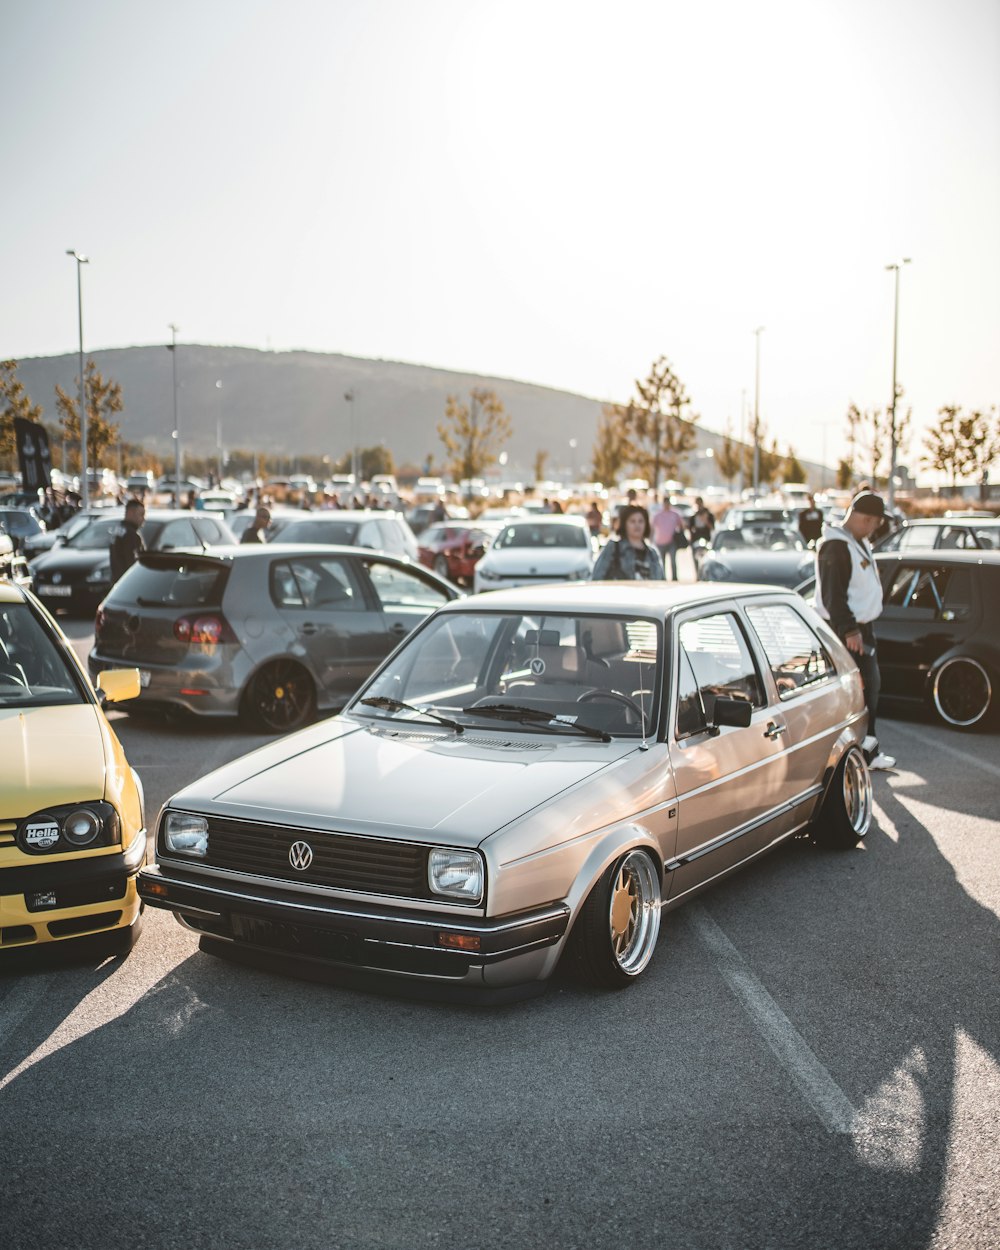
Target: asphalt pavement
x=811, y=1061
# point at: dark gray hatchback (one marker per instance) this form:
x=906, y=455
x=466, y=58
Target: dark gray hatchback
x=269, y=632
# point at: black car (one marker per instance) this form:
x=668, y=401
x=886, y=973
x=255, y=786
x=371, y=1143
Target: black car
x=937, y=636
x=76, y=574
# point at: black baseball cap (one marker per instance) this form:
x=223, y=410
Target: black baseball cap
x=868, y=504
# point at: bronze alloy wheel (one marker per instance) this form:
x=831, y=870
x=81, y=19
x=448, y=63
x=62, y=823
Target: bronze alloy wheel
x=962, y=692
x=619, y=923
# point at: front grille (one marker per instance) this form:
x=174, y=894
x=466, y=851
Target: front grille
x=340, y=861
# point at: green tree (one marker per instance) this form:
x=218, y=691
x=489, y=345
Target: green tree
x=845, y=474
x=944, y=452
x=660, y=433
x=610, y=454
x=541, y=460
x=979, y=435
x=791, y=469
x=474, y=432
x=102, y=399
x=15, y=402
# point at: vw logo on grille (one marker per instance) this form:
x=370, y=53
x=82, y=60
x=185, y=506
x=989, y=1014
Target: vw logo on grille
x=300, y=856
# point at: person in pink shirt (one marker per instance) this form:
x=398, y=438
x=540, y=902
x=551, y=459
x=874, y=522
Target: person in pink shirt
x=667, y=523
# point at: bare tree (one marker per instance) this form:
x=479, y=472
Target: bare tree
x=473, y=433
x=943, y=443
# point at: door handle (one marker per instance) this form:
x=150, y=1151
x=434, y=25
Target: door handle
x=309, y=628
x=774, y=731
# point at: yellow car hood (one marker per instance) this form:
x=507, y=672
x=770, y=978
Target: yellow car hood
x=49, y=755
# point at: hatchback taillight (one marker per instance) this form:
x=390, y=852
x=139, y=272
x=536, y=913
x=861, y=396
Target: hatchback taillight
x=204, y=630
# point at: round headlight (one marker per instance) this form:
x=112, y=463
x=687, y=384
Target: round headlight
x=81, y=827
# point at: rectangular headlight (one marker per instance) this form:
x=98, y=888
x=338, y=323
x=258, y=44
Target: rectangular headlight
x=456, y=874
x=185, y=834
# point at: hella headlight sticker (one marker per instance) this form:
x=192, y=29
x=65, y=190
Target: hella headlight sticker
x=42, y=833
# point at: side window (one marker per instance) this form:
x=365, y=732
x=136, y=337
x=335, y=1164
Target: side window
x=988, y=538
x=402, y=588
x=918, y=538
x=794, y=652
x=896, y=588
x=714, y=660
x=956, y=597
x=322, y=584
x=368, y=536
x=956, y=537
x=178, y=534
x=209, y=530
x=389, y=537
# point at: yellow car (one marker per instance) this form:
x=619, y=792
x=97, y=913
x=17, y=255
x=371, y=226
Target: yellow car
x=72, y=824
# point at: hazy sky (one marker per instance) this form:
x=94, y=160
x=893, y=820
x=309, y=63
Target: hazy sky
x=552, y=191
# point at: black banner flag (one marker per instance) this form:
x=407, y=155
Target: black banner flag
x=33, y=454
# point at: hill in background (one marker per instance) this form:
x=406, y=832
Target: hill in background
x=284, y=404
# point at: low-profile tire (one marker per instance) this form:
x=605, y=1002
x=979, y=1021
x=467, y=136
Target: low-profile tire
x=441, y=568
x=279, y=697
x=962, y=693
x=615, y=934
x=846, y=815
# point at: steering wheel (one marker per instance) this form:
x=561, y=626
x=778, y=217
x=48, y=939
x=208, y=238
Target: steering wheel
x=615, y=696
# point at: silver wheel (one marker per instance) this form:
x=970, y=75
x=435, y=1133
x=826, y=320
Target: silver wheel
x=962, y=692
x=856, y=785
x=634, y=913
x=846, y=814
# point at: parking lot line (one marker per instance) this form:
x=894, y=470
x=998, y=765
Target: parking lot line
x=933, y=740
x=815, y=1084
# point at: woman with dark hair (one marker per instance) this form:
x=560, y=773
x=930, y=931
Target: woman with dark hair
x=630, y=557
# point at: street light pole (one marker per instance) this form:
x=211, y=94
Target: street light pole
x=177, y=430
x=349, y=396
x=85, y=489
x=756, y=417
x=895, y=389
x=218, y=425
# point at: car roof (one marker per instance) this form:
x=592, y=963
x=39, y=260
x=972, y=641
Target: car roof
x=972, y=555
x=614, y=598
x=952, y=521
x=225, y=553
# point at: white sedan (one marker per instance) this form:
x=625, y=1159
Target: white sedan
x=531, y=551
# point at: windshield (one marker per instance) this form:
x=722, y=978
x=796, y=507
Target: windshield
x=34, y=672
x=603, y=672
x=534, y=534
x=759, y=537
x=98, y=534
x=343, y=532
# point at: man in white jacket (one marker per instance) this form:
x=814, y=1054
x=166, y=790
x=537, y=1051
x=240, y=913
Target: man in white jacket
x=849, y=596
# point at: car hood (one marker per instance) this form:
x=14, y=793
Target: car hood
x=786, y=567
x=415, y=782
x=50, y=755
x=67, y=560
x=537, y=559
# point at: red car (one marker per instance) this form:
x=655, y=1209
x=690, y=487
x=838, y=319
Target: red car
x=454, y=548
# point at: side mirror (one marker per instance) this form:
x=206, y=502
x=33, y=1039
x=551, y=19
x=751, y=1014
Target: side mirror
x=118, y=684
x=735, y=712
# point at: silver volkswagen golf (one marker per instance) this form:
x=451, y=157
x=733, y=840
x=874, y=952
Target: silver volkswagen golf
x=532, y=773
x=266, y=631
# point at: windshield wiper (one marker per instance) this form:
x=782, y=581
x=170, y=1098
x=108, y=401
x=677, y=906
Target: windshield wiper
x=396, y=705
x=536, y=715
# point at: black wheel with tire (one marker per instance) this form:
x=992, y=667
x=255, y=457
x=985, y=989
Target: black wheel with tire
x=962, y=692
x=616, y=931
x=280, y=697
x=846, y=815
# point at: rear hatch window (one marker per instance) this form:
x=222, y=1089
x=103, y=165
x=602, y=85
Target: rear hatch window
x=141, y=611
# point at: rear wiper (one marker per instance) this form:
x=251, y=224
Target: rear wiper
x=396, y=705
x=535, y=715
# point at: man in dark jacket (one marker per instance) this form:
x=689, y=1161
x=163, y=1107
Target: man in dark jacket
x=811, y=523
x=127, y=541
x=254, y=533
x=849, y=596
